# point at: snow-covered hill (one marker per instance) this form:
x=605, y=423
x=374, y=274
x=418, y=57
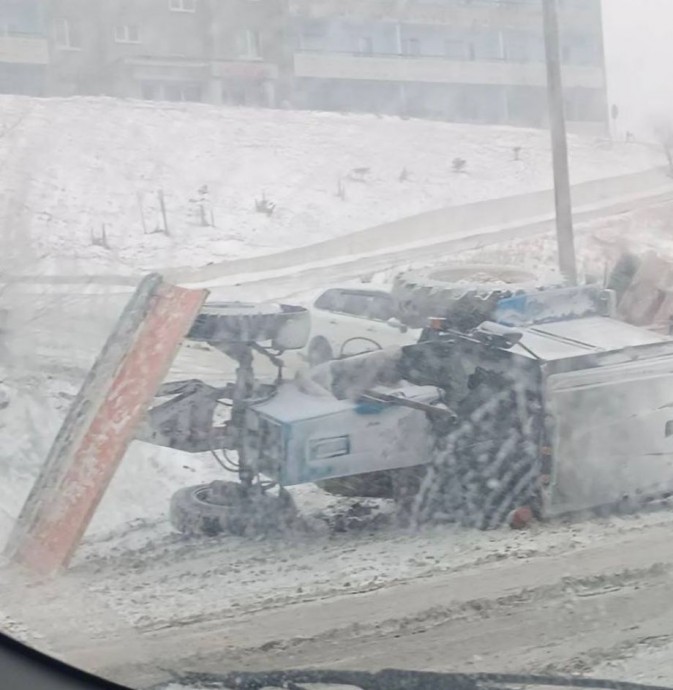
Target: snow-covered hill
x=81, y=173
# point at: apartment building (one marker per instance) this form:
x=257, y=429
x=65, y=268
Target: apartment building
x=216, y=51
x=457, y=60
x=477, y=61
x=24, y=49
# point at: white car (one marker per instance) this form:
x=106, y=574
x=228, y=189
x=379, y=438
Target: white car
x=347, y=321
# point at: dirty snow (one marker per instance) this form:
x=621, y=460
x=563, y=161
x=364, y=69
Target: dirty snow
x=87, y=172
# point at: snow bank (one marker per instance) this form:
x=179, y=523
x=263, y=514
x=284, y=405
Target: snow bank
x=84, y=177
x=141, y=488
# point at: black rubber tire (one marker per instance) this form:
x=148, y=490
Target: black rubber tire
x=465, y=294
x=229, y=508
x=370, y=485
x=319, y=352
x=286, y=327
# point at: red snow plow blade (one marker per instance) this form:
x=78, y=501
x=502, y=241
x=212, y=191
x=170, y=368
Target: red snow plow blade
x=101, y=424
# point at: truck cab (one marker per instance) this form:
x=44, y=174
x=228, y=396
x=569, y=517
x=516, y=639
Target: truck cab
x=555, y=404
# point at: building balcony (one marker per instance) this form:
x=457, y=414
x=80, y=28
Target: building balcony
x=253, y=70
x=437, y=70
x=502, y=14
x=24, y=49
x=148, y=67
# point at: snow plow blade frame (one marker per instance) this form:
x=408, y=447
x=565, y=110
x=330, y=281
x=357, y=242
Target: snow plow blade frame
x=101, y=424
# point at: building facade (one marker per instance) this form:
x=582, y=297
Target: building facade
x=479, y=61
x=216, y=51
x=24, y=47
x=458, y=60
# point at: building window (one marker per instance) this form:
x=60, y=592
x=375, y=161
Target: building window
x=365, y=45
x=171, y=91
x=182, y=5
x=183, y=92
x=149, y=91
x=21, y=18
x=127, y=33
x=67, y=35
x=412, y=46
x=192, y=93
x=312, y=35
x=249, y=45
x=454, y=49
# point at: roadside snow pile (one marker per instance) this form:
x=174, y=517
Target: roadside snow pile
x=27, y=426
x=598, y=245
x=136, y=185
x=650, y=661
x=141, y=488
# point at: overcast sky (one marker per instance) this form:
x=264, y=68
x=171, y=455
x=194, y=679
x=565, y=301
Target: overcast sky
x=639, y=57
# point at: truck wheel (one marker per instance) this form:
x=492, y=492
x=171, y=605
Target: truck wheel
x=285, y=327
x=370, y=485
x=319, y=352
x=463, y=293
x=227, y=507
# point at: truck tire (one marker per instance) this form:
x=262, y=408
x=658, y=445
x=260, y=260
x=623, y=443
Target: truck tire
x=370, y=485
x=285, y=327
x=229, y=508
x=465, y=294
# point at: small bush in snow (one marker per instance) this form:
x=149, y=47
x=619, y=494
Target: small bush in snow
x=517, y=153
x=359, y=174
x=162, y=222
x=459, y=165
x=265, y=206
x=201, y=208
x=100, y=239
x=404, y=175
x=341, y=190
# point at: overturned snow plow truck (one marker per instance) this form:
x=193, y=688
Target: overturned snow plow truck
x=552, y=405
x=514, y=402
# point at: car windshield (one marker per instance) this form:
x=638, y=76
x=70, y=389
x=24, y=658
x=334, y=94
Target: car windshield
x=336, y=341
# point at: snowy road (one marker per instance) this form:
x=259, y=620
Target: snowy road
x=564, y=598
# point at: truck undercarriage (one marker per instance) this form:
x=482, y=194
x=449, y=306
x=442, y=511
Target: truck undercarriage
x=464, y=426
x=514, y=404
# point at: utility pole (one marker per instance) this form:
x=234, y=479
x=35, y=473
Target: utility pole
x=564, y=214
